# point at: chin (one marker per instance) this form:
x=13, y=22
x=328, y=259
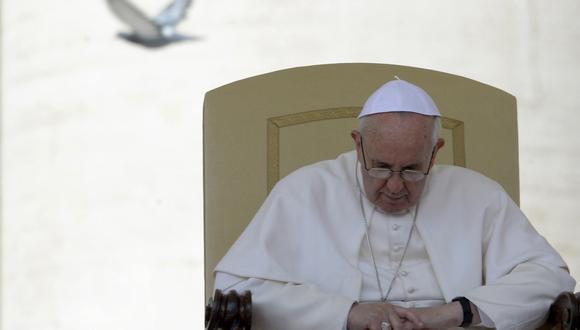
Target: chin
x=387, y=205
x=393, y=209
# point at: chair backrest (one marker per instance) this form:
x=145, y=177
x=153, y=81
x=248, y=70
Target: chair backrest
x=259, y=129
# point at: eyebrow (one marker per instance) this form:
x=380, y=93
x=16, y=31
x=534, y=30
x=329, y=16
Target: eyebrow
x=382, y=164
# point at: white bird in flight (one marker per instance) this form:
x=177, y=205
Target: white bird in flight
x=156, y=32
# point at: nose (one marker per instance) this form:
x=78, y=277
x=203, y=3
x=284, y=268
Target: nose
x=395, y=184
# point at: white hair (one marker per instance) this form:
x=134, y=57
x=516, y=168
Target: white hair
x=435, y=131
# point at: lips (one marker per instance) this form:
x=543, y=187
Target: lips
x=396, y=198
x=393, y=204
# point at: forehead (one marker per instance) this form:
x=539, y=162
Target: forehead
x=396, y=138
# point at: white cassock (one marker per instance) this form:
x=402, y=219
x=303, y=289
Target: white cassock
x=303, y=255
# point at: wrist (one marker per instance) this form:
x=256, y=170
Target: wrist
x=466, y=314
x=456, y=313
x=348, y=317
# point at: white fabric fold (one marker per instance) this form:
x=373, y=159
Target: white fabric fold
x=308, y=233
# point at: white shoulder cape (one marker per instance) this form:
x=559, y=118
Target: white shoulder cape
x=309, y=231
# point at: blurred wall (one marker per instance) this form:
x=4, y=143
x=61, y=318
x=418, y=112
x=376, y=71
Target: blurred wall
x=101, y=139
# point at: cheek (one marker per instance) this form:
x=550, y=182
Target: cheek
x=415, y=190
x=372, y=187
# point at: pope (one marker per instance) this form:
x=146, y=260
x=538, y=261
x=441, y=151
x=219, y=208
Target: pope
x=381, y=238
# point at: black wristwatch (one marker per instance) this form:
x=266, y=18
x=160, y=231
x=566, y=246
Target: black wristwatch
x=467, y=314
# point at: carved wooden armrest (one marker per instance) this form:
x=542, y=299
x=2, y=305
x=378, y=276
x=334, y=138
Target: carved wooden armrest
x=564, y=312
x=229, y=312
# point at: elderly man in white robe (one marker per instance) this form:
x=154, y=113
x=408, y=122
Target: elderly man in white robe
x=381, y=238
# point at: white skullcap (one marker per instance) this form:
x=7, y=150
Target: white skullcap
x=400, y=96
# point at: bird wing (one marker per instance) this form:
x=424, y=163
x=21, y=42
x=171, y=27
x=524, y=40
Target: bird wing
x=173, y=13
x=142, y=26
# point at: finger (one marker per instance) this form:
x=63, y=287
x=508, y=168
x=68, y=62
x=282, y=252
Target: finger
x=409, y=315
x=395, y=320
x=374, y=327
x=407, y=325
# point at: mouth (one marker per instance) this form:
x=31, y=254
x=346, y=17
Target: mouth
x=393, y=199
x=393, y=204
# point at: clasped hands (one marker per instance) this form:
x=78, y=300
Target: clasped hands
x=371, y=315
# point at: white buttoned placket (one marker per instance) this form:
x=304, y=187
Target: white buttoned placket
x=415, y=285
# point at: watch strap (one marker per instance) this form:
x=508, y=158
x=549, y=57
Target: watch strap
x=467, y=313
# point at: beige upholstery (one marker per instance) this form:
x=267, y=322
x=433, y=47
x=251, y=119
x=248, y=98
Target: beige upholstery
x=259, y=129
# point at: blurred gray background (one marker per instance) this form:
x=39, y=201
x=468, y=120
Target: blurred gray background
x=101, y=139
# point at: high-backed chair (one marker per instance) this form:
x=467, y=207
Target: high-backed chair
x=259, y=129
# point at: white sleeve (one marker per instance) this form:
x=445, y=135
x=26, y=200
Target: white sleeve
x=288, y=306
x=522, y=273
x=522, y=298
x=486, y=321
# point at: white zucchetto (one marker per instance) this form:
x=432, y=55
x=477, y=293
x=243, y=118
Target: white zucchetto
x=400, y=96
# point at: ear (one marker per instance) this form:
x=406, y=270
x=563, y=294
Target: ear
x=440, y=143
x=356, y=137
